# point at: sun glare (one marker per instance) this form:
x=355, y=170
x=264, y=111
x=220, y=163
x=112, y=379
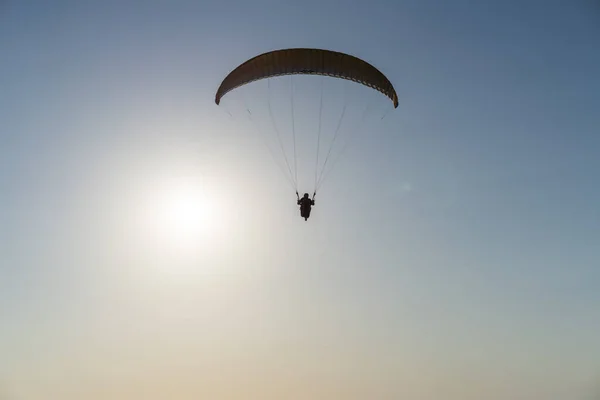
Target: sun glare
x=188, y=215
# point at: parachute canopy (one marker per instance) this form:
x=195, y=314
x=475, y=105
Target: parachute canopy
x=309, y=62
x=338, y=105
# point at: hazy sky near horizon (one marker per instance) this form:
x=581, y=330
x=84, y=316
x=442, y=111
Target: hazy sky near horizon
x=452, y=253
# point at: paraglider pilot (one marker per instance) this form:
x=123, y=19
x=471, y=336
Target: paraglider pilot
x=305, y=204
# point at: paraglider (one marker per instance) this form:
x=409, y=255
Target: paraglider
x=305, y=61
x=305, y=204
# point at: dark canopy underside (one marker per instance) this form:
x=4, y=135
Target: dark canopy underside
x=309, y=62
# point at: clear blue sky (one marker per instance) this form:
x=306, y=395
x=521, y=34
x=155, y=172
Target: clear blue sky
x=453, y=253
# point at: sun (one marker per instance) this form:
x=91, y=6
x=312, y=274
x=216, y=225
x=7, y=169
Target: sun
x=187, y=214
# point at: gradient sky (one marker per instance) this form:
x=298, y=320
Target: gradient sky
x=452, y=254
